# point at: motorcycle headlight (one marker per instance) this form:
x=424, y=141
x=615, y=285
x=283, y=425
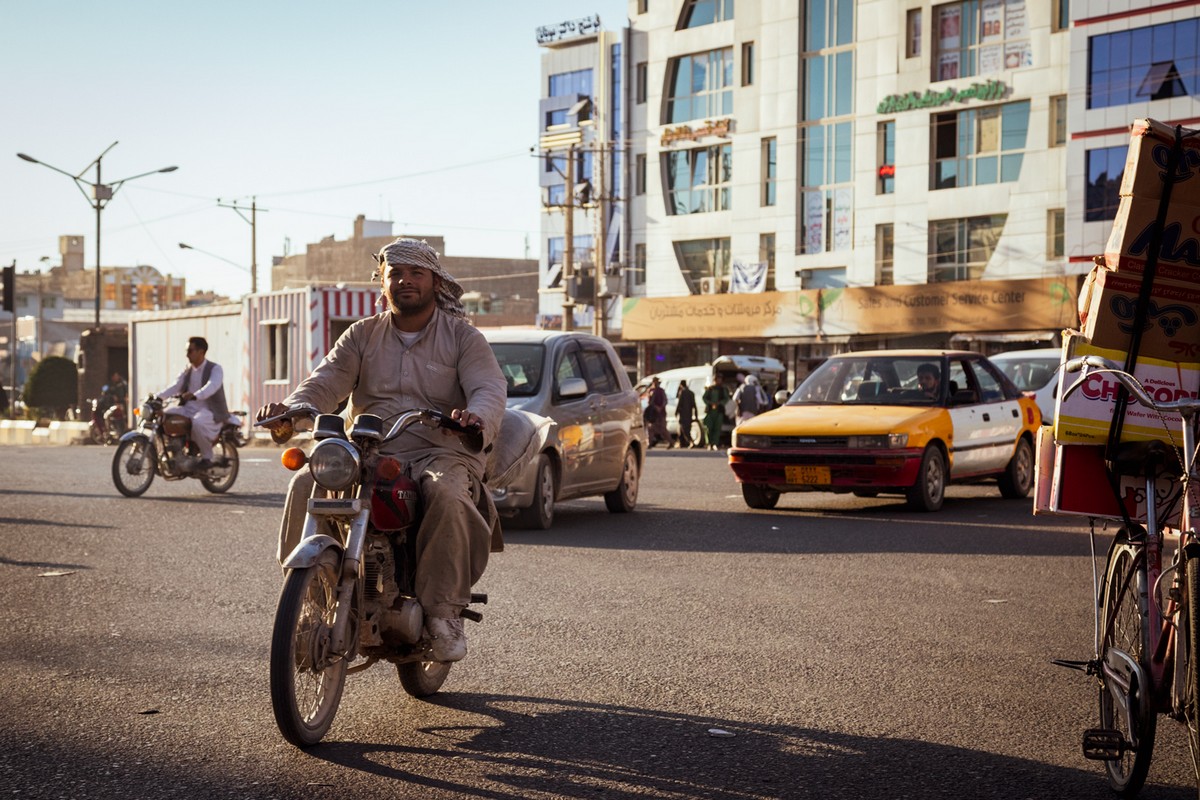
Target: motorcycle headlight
x=334, y=464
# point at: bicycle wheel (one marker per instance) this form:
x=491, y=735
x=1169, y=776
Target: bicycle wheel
x=1130, y=711
x=306, y=677
x=1191, y=689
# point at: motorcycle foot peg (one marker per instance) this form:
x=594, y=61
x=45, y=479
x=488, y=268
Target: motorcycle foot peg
x=474, y=616
x=1103, y=744
x=478, y=597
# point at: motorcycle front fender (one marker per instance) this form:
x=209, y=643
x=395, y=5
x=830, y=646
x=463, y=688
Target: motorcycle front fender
x=125, y=437
x=309, y=549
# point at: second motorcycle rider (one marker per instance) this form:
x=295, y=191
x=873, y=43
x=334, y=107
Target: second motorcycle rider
x=419, y=353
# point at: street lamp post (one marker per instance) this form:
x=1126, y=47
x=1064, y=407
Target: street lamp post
x=101, y=194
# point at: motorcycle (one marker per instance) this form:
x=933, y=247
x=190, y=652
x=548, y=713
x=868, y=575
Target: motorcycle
x=348, y=591
x=161, y=446
x=108, y=422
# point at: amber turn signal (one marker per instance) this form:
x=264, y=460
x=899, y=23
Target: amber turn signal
x=293, y=458
x=388, y=469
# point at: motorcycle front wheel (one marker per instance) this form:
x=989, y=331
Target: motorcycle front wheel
x=306, y=676
x=133, y=466
x=219, y=479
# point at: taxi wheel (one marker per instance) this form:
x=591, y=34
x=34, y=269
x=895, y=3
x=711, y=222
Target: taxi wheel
x=1017, y=479
x=757, y=496
x=929, y=491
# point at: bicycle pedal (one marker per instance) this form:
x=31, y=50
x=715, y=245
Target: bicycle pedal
x=1103, y=744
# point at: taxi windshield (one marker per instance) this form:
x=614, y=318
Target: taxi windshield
x=873, y=380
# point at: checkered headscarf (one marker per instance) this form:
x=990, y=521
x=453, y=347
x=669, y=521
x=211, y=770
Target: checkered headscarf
x=418, y=253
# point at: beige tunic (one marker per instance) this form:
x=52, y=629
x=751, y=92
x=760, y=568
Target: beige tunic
x=450, y=366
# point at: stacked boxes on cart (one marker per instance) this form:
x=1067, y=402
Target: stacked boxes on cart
x=1071, y=477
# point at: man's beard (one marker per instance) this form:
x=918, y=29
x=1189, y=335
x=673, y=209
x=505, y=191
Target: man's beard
x=409, y=304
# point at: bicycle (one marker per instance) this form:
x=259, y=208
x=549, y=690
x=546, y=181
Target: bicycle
x=1145, y=640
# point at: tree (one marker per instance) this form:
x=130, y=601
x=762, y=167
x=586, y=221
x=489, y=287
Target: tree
x=52, y=387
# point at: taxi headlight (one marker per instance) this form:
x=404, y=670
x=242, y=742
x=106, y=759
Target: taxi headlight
x=884, y=441
x=751, y=441
x=334, y=464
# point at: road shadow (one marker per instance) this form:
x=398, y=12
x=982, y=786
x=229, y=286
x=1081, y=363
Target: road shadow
x=968, y=525
x=261, y=500
x=534, y=746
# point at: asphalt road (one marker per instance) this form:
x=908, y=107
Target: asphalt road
x=835, y=647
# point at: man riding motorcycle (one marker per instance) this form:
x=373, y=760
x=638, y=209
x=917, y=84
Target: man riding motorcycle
x=202, y=398
x=420, y=352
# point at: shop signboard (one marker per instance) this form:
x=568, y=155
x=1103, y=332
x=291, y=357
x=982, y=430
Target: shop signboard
x=961, y=306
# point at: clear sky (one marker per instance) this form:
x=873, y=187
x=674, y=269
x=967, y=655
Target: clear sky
x=422, y=112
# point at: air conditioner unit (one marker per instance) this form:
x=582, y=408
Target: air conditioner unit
x=708, y=285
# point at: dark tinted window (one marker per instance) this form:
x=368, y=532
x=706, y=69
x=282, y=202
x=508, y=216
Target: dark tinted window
x=599, y=371
x=522, y=367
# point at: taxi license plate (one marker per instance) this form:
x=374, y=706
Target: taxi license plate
x=807, y=475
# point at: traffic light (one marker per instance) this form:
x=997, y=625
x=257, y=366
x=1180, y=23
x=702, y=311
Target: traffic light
x=10, y=288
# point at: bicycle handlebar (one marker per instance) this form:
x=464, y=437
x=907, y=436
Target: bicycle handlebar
x=1186, y=406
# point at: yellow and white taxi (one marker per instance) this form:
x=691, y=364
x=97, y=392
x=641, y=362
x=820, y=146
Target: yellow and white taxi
x=900, y=421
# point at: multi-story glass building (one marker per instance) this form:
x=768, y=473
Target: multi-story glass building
x=808, y=177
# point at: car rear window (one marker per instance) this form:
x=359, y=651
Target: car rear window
x=522, y=367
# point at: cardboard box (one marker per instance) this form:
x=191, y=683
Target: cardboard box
x=1173, y=318
x=1128, y=245
x=1085, y=416
x=1145, y=166
x=1080, y=487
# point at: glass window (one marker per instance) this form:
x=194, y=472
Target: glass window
x=702, y=259
x=641, y=83
x=635, y=281
x=699, y=179
x=769, y=167
x=700, y=86
x=556, y=117
x=885, y=133
x=827, y=217
x=1105, y=166
x=959, y=249
x=601, y=376
x=571, y=83
x=705, y=12
x=1058, y=120
x=885, y=249
x=639, y=179
x=979, y=145
x=568, y=367
x=1060, y=16
x=912, y=47
x=747, y=63
x=766, y=255
x=829, y=23
x=556, y=195
x=1151, y=63
x=1056, y=226
x=980, y=37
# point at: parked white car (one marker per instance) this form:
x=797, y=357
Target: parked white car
x=1034, y=371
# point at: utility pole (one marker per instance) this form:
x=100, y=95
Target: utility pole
x=12, y=337
x=599, y=293
x=568, y=320
x=253, y=222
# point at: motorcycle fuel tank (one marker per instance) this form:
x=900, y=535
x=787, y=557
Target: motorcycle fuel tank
x=395, y=504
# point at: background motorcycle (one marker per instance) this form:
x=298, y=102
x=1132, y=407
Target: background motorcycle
x=108, y=421
x=161, y=446
x=348, y=592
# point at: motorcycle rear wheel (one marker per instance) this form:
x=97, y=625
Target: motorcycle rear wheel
x=306, y=677
x=133, y=466
x=222, y=481
x=423, y=678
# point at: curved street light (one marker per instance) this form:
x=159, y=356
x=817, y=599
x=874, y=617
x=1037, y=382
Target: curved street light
x=101, y=194
x=184, y=246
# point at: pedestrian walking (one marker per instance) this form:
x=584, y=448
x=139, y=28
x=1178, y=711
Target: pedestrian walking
x=750, y=400
x=715, y=398
x=685, y=412
x=656, y=414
